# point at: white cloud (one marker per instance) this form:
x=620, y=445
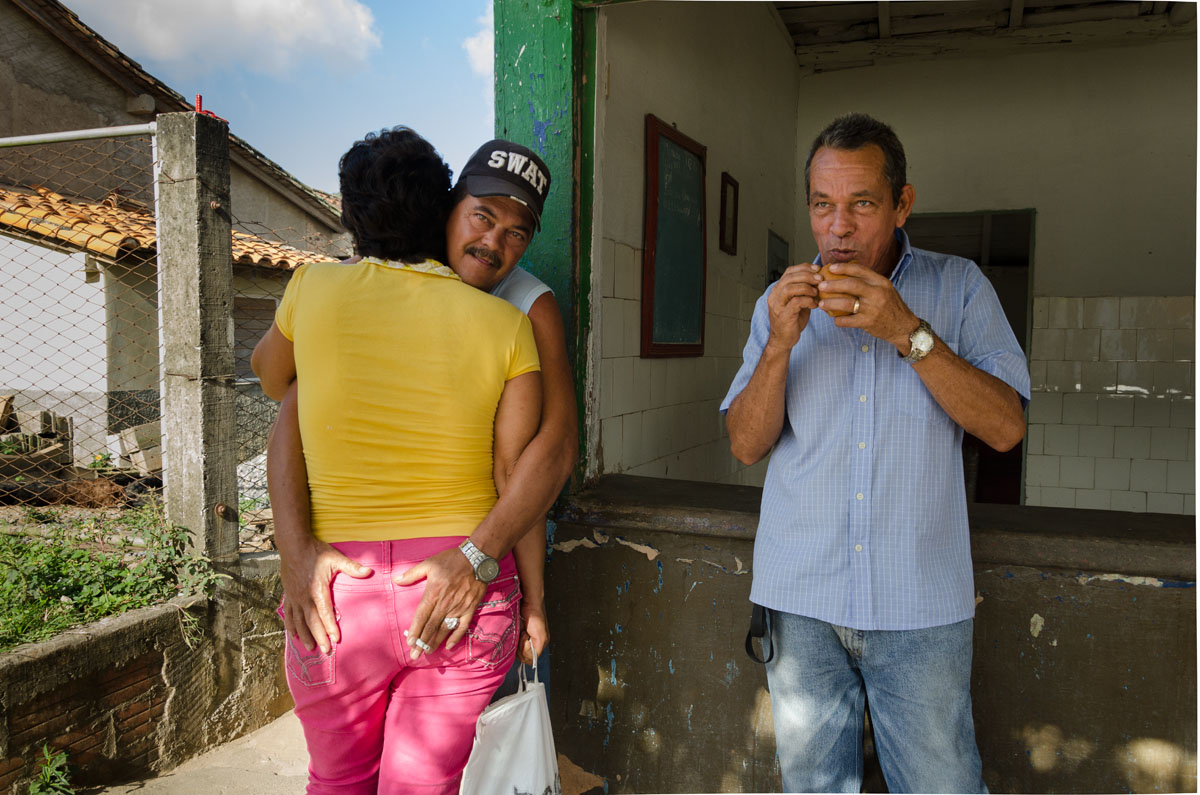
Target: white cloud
x=481, y=49
x=265, y=36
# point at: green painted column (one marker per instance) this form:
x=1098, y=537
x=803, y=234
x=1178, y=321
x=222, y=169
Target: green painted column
x=543, y=62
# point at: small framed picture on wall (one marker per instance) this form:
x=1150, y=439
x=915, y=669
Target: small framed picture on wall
x=729, y=213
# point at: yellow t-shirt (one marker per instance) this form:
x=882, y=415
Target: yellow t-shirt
x=400, y=370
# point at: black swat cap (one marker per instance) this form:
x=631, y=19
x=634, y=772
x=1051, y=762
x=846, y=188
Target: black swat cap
x=503, y=168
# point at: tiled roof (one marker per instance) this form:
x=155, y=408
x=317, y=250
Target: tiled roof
x=116, y=227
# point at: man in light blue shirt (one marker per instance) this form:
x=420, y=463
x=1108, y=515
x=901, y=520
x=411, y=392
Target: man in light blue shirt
x=862, y=555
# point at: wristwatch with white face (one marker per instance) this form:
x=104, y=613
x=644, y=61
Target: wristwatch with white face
x=920, y=343
x=486, y=568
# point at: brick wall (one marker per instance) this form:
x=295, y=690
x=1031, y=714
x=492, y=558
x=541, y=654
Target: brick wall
x=1112, y=416
x=127, y=697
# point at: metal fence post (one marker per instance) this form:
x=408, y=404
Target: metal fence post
x=195, y=263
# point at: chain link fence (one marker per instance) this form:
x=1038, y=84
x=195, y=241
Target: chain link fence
x=81, y=329
x=79, y=364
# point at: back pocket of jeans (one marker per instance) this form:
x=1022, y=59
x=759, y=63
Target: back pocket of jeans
x=492, y=636
x=310, y=668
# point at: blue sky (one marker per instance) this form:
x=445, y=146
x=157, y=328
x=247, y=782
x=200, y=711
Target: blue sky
x=301, y=80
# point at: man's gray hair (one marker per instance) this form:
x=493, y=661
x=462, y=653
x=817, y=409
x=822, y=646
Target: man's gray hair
x=854, y=131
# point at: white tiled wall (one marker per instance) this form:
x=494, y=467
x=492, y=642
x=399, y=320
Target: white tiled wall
x=1112, y=416
x=659, y=417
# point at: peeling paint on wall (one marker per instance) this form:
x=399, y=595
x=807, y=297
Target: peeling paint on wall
x=650, y=552
x=567, y=546
x=1035, y=625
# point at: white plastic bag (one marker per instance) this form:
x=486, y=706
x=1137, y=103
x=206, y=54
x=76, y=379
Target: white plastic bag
x=514, y=747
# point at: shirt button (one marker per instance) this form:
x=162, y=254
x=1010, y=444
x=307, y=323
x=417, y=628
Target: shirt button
x=862, y=445
x=858, y=496
x=858, y=547
x=862, y=398
x=866, y=348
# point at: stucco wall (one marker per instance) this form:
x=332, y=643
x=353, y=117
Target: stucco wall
x=701, y=67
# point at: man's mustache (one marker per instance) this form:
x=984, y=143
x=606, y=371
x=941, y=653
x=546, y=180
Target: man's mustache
x=492, y=257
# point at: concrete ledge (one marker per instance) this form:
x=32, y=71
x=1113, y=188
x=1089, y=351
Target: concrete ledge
x=1137, y=544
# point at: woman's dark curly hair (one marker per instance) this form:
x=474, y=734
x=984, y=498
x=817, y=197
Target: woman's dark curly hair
x=395, y=196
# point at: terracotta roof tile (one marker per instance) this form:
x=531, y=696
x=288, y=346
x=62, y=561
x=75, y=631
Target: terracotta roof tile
x=114, y=228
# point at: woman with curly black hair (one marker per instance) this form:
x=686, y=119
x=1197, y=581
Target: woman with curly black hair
x=416, y=393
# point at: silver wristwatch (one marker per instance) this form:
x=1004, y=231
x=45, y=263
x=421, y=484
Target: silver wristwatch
x=486, y=568
x=920, y=343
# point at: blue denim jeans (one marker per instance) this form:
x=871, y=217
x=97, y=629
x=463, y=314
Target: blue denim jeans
x=919, y=686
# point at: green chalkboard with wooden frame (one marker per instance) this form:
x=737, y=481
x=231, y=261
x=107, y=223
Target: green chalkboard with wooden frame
x=674, y=258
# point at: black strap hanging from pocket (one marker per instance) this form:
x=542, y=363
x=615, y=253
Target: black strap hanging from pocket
x=759, y=629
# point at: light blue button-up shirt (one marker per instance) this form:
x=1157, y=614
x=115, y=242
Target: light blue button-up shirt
x=864, y=513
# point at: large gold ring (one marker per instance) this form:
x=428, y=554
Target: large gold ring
x=854, y=311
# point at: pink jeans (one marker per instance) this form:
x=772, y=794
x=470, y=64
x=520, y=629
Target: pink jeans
x=376, y=721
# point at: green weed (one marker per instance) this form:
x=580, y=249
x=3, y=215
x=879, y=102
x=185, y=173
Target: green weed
x=53, y=778
x=84, y=570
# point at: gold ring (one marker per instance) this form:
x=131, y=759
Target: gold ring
x=854, y=311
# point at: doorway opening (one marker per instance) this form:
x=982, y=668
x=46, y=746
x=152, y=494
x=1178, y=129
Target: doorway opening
x=1001, y=243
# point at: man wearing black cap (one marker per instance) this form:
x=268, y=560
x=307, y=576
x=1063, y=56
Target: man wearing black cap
x=496, y=209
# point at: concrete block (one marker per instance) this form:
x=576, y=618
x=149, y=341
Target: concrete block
x=1102, y=313
x=1093, y=499
x=1041, y=312
x=1053, y=497
x=606, y=388
x=1037, y=376
x=1065, y=313
x=1118, y=345
x=1080, y=409
x=608, y=268
x=642, y=383
x=1082, y=344
x=1096, y=441
x=1077, y=472
x=1169, y=444
x=629, y=273
x=1135, y=378
x=1049, y=344
x=1033, y=495
x=1061, y=440
x=1179, y=311
x=1155, y=345
x=633, y=327
x=1147, y=475
x=1132, y=442
x=1164, y=503
x=1134, y=501
x=612, y=328
x=1152, y=412
x=1045, y=407
x=611, y=444
x=1041, y=470
x=1034, y=435
x=1112, y=473
x=658, y=382
x=1115, y=409
x=1181, y=477
x=1189, y=504
x=631, y=440
x=1173, y=378
x=1098, y=376
x=622, y=402
x=1184, y=345
x=1140, y=311
x=1064, y=376
x=1183, y=412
